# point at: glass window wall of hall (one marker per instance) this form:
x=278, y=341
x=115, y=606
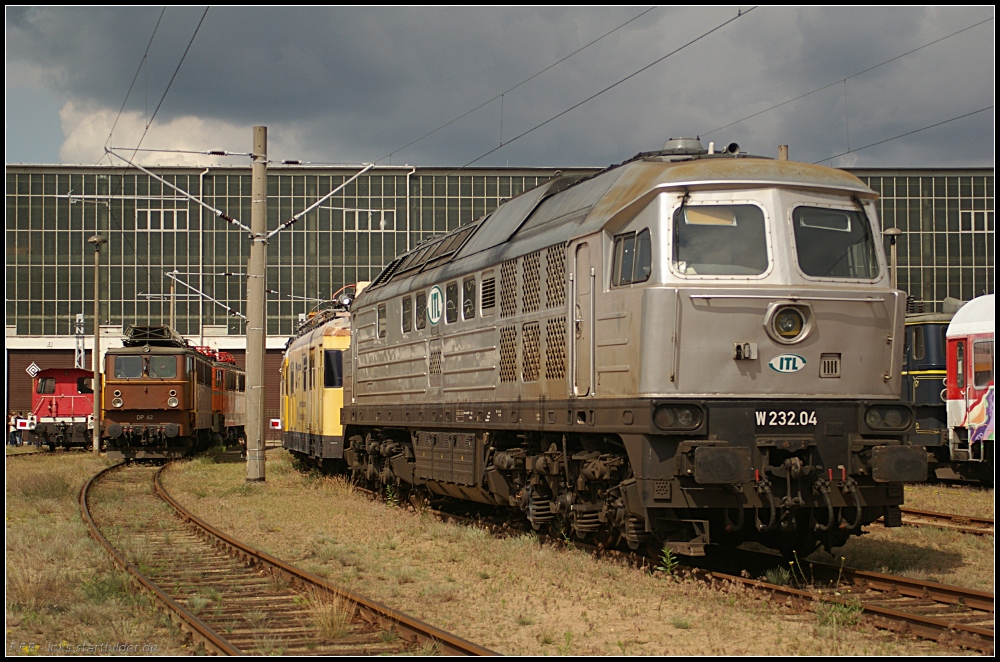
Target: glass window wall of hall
x=947, y=244
x=153, y=230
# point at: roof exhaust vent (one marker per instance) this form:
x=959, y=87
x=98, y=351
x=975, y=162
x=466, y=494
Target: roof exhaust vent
x=683, y=146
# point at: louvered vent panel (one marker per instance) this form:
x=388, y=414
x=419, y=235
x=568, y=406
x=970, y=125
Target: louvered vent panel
x=829, y=365
x=555, y=275
x=489, y=292
x=531, y=358
x=555, y=348
x=435, y=362
x=530, y=281
x=508, y=353
x=508, y=288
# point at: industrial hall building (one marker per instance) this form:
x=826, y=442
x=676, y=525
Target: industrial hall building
x=167, y=257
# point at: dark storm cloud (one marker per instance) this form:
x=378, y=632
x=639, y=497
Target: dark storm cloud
x=358, y=83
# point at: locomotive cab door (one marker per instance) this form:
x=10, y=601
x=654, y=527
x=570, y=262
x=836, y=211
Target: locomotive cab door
x=583, y=287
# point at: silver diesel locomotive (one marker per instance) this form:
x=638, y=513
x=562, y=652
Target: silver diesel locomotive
x=690, y=347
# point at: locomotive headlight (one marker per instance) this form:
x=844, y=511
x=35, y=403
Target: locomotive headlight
x=887, y=417
x=172, y=402
x=788, y=323
x=677, y=417
x=117, y=402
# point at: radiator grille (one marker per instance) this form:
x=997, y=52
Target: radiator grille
x=489, y=292
x=508, y=354
x=555, y=275
x=555, y=348
x=508, y=288
x=530, y=281
x=530, y=353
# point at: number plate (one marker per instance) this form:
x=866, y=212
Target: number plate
x=785, y=419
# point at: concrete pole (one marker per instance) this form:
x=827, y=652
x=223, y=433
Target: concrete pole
x=98, y=241
x=256, y=308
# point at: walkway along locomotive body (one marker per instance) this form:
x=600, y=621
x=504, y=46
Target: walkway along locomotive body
x=163, y=398
x=685, y=348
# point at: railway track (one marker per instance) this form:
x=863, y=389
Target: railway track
x=235, y=599
x=948, y=614
x=980, y=526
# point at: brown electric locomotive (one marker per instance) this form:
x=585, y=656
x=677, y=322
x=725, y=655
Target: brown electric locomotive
x=164, y=398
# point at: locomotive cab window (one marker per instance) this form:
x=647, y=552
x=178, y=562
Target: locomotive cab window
x=834, y=243
x=719, y=240
x=632, y=259
x=85, y=385
x=46, y=385
x=333, y=368
x=128, y=367
x=163, y=367
x=469, y=298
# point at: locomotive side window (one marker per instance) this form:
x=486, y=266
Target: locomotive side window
x=85, y=385
x=469, y=298
x=632, y=259
x=451, y=302
x=128, y=367
x=407, y=313
x=982, y=363
x=719, y=240
x=46, y=385
x=421, y=310
x=834, y=243
x=333, y=368
x=164, y=367
x=381, y=321
x=960, y=365
x=918, y=343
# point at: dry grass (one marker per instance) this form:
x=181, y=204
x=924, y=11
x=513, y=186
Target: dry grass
x=63, y=593
x=512, y=594
x=971, y=501
x=928, y=553
x=332, y=615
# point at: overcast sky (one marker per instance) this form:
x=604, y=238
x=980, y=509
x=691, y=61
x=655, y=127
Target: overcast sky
x=357, y=85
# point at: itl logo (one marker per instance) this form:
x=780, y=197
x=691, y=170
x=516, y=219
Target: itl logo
x=435, y=304
x=787, y=363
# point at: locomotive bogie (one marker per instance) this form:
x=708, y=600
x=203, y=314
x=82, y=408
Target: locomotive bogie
x=686, y=349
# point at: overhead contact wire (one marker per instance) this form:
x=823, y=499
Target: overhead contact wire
x=609, y=87
x=500, y=96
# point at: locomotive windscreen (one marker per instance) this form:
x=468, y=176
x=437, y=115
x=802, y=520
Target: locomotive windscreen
x=720, y=240
x=834, y=243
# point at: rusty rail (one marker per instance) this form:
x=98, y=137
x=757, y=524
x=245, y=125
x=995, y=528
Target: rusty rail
x=405, y=626
x=177, y=611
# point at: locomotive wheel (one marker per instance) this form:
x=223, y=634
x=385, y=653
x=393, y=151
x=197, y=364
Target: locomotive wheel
x=607, y=537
